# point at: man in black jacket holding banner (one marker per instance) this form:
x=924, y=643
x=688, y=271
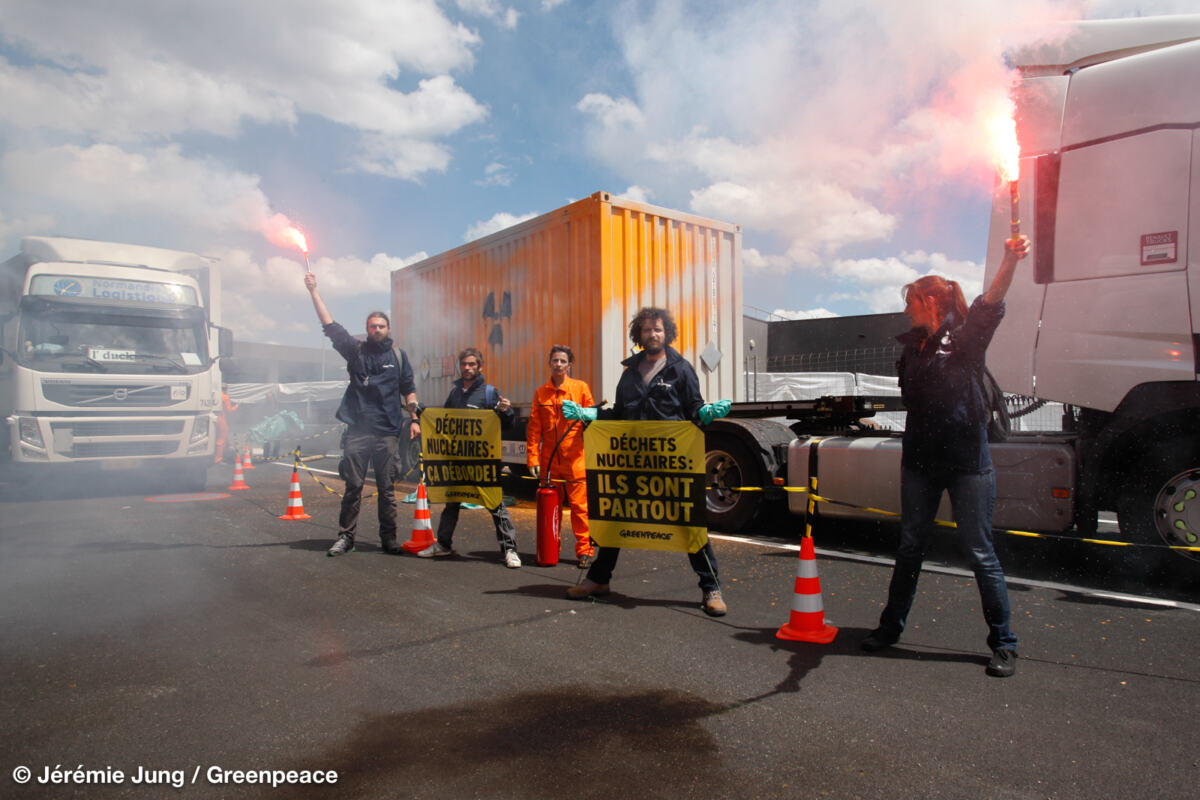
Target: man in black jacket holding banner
x=657, y=384
x=472, y=391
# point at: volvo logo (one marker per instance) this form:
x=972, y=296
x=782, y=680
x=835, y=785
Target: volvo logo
x=120, y=394
x=68, y=287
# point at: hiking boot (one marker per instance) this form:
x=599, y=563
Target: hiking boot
x=587, y=588
x=877, y=640
x=511, y=559
x=389, y=546
x=714, y=604
x=1003, y=663
x=435, y=550
x=343, y=545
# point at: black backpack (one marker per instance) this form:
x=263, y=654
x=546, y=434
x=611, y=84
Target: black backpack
x=998, y=424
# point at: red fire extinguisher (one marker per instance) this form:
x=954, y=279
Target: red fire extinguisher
x=549, y=510
x=549, y=523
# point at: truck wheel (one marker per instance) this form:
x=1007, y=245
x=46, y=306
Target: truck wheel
x=728, y=465
x=1164, y=505
x=187, y=480
x=407, y=467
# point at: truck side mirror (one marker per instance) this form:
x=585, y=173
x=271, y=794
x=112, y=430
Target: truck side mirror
x=6, y=331
x=224, y=342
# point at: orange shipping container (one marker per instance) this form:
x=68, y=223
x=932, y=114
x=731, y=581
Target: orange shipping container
x=575, y=276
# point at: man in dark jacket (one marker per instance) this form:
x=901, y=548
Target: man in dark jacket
x=381, y=389
x=472, y=391
x=657, y=384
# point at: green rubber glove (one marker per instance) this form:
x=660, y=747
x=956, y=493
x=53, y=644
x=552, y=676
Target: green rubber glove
x=711, y=411
x=572, y=410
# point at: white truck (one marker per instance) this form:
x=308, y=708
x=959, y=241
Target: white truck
x=1103, y=317
x=109, y=359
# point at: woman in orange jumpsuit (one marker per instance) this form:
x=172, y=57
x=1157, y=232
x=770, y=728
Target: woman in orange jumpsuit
x=563, y=467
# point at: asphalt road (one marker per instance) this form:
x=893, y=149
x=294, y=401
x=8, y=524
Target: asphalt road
x=176, y=636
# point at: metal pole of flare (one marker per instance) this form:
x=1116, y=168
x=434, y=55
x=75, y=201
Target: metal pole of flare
x=307, y=268
x=1016, y=213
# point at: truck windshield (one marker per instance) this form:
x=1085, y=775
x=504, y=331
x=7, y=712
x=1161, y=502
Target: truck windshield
x=59, y=339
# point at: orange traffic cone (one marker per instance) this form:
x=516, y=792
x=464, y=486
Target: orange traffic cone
x=422, y=533
x=807, y=621
x=246, y=460
x=295, y=506
x=239, y=482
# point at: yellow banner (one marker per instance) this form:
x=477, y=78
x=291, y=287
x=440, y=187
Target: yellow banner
x=645, y=485
x=461, y=451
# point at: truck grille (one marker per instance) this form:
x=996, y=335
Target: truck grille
x=168, y=427
x=113, y=449
x=129, y=395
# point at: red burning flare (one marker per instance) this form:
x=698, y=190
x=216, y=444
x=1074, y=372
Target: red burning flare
x=283, y=234
x=1006, y=152
x=294, y=236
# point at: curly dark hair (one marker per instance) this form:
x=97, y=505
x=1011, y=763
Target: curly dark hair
x=649, y=314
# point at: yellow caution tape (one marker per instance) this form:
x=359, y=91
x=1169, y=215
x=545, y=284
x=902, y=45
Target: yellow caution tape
x=949, y=524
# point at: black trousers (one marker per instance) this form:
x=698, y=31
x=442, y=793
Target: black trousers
x=363, y=448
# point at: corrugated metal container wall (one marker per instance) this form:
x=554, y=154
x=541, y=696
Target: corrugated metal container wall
x=574, y=276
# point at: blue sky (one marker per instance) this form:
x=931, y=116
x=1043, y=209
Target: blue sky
x=844, y=136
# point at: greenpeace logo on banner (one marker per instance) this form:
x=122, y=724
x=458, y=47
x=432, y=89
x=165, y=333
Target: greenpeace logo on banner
x=648, y=473
x=656, y=535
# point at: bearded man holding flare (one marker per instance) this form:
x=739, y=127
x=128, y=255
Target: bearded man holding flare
x=381, y=389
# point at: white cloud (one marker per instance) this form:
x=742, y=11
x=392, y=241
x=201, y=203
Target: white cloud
x=496, y=12
x=811, y=124
x=550, y=5
x=879, y=281
x=400, y=158
x=612, y=114
x=215, y=67
x=638, y=194
x=245, y=280
x=496, y=174
x=498, y=222
x=104, y=181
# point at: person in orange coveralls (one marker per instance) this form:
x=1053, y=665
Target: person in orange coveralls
x=227, y=406
x=546, y=427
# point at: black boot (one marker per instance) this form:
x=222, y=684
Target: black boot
x=388, y=543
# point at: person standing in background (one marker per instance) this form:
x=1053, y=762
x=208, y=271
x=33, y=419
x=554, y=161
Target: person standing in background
x=554, y=445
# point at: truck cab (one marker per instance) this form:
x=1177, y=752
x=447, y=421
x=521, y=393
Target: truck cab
x=109, y=359
x=1105, y=318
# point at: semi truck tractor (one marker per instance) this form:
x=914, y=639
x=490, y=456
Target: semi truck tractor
x=1103, y=315
x=109, y=360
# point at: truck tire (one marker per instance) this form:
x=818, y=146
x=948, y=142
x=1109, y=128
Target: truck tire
x=1162, y=503
x=187, y=479
x=728, y=465
x=409, y=460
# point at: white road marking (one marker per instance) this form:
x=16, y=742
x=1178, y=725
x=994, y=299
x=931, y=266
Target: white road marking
x=963, y=573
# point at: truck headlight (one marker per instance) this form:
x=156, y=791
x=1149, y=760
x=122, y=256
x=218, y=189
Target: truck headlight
x=200, y=429
x=29, y=431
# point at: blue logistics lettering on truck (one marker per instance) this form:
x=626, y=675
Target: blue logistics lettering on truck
x=113, y=289
x=137, y=291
